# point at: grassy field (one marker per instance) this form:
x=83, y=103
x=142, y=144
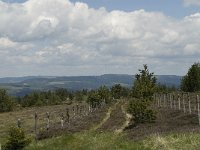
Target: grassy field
x=27, y=118
x=190, y=141
x=87, y=141
x=172, y=130
x=110, y=141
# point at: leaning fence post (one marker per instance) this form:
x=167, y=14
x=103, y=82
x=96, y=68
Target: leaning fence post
x=36, y=118
x=67, y=115
x=48, y=121
x=198, y=108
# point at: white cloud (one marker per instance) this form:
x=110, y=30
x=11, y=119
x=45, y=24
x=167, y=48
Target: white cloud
x=48, y=36
x=192, y=2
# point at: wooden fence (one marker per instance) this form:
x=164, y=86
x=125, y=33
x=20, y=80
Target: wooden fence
x=60, y=119
x=185, y=102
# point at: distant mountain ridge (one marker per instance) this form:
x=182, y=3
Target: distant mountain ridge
x=19, y=86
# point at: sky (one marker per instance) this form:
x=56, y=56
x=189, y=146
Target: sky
x=94, y=37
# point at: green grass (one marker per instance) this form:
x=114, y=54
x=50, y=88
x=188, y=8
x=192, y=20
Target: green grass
x=87, y=141
x=174, y=142
x=109, y=141
x=9, y=119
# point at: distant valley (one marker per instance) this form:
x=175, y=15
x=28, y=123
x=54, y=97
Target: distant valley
x=19, y=86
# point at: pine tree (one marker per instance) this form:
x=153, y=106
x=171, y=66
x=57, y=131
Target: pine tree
x=191, y=81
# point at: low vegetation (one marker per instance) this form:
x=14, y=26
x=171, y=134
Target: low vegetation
x=143, y=90
x=140, y=106
x=17, y=139
x=111, y=141
x=191, y=81
x=87, y=141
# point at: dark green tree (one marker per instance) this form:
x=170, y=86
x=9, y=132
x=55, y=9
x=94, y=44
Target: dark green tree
x=16, y=140
x=6, y=102
x=144, y=84
x=142, y=91
x=104, y=93
x=116, y=91
x=79, y=96
x=191, y=81
x=94, y=98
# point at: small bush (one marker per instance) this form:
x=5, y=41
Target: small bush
x=140, y=111
x=16, y=139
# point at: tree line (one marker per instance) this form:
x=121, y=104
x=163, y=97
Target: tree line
x=60, y=96
x=143, y=88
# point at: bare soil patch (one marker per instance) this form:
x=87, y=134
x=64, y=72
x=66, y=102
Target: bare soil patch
x=116, y=120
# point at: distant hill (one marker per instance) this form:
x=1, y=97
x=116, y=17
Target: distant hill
x=19, y=86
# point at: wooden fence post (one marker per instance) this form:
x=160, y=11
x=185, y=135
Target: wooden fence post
x=167, y=100
x=48, y=121
x=183, y=102
x=174, y=101
x=160, y=100
x=170, y=98
x=195, y=106
x=157, y=99
x=36, y=118
x=77, y=109
x=189, y=104
x=179, y=102
x=89, y=108
x=67, y=115
x=73, y=109
x=164, y=100
x=62, y=121
x=19, y=123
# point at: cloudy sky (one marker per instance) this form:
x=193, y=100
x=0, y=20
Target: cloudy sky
x=94, y=37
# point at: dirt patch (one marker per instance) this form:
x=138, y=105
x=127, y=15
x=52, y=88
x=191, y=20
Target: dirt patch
x=116, y=120
x=167, y=121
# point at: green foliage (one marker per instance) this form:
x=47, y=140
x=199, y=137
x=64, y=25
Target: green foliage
x=191, y=81
x=16, y=139
x=64, y=94
x=111, y=141
x=6, y=102
x=140, y=111
x=40, y=99
x=78, y=96
x=46, y=98
x=173, y=141
x=87, y=141
x=144, y=84
x=116, y=91
x=94, y=98
x=104, y=94
x=143, y=90
x=162, y=88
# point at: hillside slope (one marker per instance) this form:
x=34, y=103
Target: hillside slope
x=19, y=86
